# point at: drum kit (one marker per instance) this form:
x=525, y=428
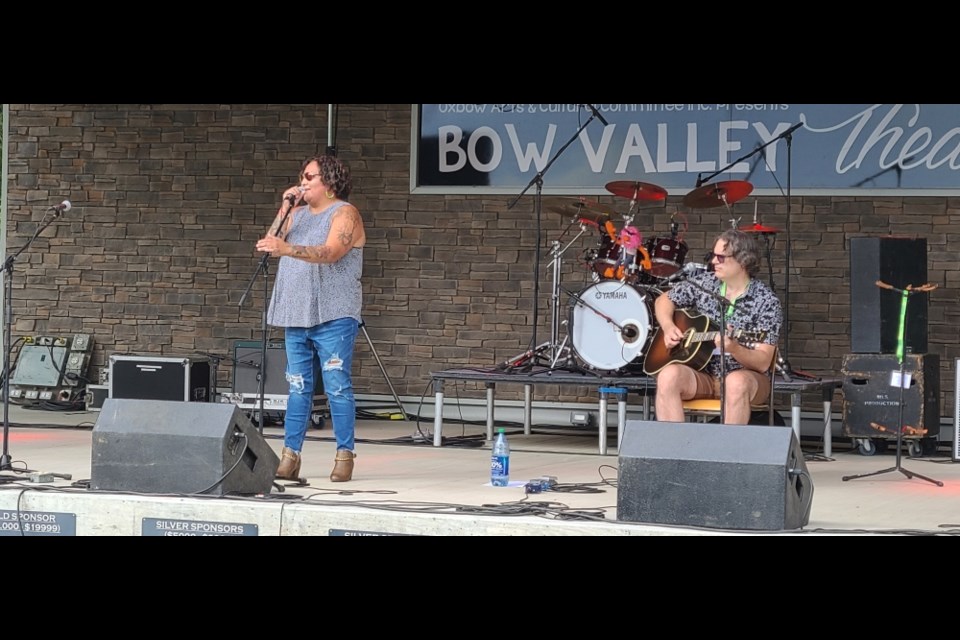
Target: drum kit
x=611, y=322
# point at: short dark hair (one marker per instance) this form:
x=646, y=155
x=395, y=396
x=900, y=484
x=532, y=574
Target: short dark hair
x=333, y=173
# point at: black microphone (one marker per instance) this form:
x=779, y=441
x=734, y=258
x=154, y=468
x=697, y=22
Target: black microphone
x=708, y=260
x=60, y=208
x=791, y=129
x=596, y=114
x=689, y=269
x=293, y=197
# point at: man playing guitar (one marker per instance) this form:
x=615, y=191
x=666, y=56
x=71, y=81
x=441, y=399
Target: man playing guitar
x=754, y=308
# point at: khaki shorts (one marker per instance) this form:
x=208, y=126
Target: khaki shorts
x=709, y=386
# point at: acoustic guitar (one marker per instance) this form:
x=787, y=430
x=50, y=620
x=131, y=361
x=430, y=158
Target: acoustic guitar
x=697, y=345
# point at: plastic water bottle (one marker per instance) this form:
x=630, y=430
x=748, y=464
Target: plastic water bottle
x=500, y=461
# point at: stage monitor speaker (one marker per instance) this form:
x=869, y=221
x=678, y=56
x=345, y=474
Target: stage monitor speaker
x=163, y=446
x=875, y=312
x=711, y=475
x=247, y=355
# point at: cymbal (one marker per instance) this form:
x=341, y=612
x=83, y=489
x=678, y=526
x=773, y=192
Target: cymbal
x=759, y=228
x=636, y=190
x=715, y=195
x=586, y=210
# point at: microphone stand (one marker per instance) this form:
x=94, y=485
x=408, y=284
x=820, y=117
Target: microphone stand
x=724, y=305
x=783, y=360
x=5, y=459
x=906, y=293
x=528, y=359
x=264, y=268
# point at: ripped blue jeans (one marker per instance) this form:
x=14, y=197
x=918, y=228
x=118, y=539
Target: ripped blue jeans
x=331, y=344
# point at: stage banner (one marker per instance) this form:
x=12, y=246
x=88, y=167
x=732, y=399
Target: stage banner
x=815, y=149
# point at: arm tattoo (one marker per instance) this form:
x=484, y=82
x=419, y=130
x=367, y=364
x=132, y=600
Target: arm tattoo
x=345, y=235
x=275, y=227
x=310, y=254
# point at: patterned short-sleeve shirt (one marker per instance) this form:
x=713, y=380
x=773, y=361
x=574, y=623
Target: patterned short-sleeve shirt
x=757, y=310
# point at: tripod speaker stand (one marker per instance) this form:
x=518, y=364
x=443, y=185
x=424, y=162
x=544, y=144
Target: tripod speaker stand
x=901, y=382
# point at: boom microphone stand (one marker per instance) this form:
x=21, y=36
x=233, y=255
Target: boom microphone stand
x=724, y=305
x=783, y=360
x=5, y=460
x=264, y=268
x=529, y=358
x=906, y=293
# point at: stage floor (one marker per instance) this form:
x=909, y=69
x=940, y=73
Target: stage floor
x=405, y=486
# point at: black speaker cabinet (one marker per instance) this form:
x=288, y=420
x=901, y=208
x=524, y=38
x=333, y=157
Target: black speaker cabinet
x=159, y=446
x=160, y=378
x=246, y=367
x=711, y=475
x=870, y=399
x=875, y=312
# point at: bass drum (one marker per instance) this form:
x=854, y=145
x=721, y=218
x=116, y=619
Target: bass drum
x=611, y=325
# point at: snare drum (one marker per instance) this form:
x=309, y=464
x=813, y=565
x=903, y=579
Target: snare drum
x=610, y=345
x=666, y=255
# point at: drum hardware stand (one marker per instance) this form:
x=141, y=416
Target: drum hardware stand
x=528, y=358
x=905, y=293
x=788, y=136
x=553, y=350
x=768, y=245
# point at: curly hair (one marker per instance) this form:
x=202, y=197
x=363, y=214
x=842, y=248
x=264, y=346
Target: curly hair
x=333, y=173
x=744, y=249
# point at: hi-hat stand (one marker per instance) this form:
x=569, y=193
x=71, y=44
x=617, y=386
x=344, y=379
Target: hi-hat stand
x=901, y=381
x=555, y=351
x=535, y=353
x=6, y=463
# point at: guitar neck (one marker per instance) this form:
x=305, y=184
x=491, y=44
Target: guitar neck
x=704, y=336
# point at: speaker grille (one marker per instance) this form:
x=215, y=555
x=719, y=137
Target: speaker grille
x=706, y=475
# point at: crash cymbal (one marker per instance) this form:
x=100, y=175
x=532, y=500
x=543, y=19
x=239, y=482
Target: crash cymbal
x=715, y=195
x=636, y=190
x=759, y=228
x=586, y=210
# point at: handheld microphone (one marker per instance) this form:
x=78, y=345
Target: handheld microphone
x=293, y=197
x=60, y=208
x=688, y=270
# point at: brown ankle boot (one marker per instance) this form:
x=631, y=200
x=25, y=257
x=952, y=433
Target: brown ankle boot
x=289, y=468
x=342, y=466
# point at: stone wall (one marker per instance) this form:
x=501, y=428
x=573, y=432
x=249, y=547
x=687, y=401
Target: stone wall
x=169, y=201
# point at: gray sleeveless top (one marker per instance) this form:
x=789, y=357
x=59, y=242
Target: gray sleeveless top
x=307, y=294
